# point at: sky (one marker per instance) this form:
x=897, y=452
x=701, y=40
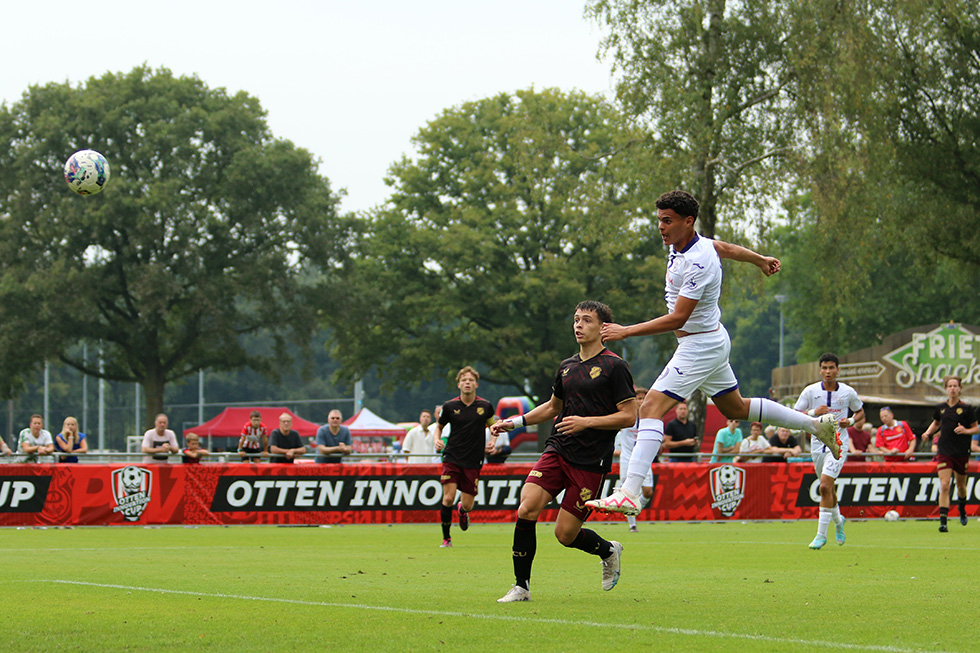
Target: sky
x=352, y=81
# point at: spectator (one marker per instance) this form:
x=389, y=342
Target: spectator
x=4, y=449
x=681, y=435
x=895, y=439
x=333, y=439
x=35, y=441
x=862, y=440
x=782, y=446
x=727, y=441
x=254, y=441
x=500, y=450
x=420, y=441
x=285, y=444
x=193, y=453
x=159, y=441
x=756, y=443
x=70, y=440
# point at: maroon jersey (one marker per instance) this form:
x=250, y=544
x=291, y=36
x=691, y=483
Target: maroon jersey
x=951, y=443
x=590, y=388
x=468, y=436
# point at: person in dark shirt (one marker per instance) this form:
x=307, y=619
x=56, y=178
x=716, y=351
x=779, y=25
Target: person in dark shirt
x=956, y=423
x=285, y=444
x=681, y=435
x=592, y=398
x=783, y=445
x=462, y=459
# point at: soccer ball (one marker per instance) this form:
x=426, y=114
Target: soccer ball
x=132, y=477
x=86, y=172
x=891, y=515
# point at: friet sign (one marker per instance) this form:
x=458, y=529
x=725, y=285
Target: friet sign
x=931, y=356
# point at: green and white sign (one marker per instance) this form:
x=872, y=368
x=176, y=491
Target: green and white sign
x=931, y=356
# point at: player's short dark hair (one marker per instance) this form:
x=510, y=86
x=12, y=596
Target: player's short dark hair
x=829, y=358
x=680, y=201
x=601, y=310
x=255, y=413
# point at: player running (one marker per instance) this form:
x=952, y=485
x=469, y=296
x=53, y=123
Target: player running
x=592, y=397
x=830, y=397
x=693, y=286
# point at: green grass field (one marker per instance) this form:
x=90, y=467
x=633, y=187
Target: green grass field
x=685, y=587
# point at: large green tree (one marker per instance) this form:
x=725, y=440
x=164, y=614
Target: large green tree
x=206, y=231
x=512, y=212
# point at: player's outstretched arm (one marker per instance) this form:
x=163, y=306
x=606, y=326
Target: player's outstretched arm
x=768, y=264
x=544, y=412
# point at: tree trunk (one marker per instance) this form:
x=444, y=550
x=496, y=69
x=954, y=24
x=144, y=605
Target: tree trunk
x=153, y=386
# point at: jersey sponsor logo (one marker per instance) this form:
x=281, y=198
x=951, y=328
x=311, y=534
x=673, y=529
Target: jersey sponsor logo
x=536, y=473
x=595, y=372
x=132, y=489
x=23, y=493
x=727, y=488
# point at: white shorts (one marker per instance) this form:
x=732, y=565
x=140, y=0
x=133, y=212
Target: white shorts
x=624, y=462
x=699, y=363
x=823, y=461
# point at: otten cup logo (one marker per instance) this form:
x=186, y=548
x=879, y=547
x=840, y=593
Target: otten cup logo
x=131, y=488
x=727, y=488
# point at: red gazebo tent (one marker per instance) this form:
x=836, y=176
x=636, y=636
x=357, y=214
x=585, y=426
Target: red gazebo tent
x=229, y=422
x=370, y=433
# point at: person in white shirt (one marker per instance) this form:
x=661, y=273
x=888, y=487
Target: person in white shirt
x=159, y=442
x=420, y=440
x=692, y=289
x=830, y=397
x=756, y=443
x=35, y=440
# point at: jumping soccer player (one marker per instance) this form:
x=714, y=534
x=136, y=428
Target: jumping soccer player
x=829, y=396
x=956, y=423
x=469, y=416
x=693, y=286
x=592, y=397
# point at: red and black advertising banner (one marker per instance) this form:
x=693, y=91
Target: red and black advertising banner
x=82, y=494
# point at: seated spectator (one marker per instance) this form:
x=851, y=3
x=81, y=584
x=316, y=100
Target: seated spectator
x=895, y=439
x=254, y=441
x=782, y=446
x=727, y=441
x=862, y=441
x=502, y=449
x=756, y=443
x=35, y=441
x=419, y=441
x=4, y=449
x=193, y=453
x=333, y=439
x=159, y=442
x=70, y=440
x=285, y=444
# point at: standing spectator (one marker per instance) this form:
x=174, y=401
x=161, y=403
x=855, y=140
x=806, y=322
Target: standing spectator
x=462, y=461
x=955, y=422
x=782, y=446
x=70, y=440
x=254, y=441
x=285, y=444
x=159, y=441
x=680, y=435
x=756, y=443
x=333, y=439
x=592, y=396
x=895, y=439
x=193, y=453
x=727, y=441
x=420, y=441
x=35, y=440
x=627, y=440
x=862, y=440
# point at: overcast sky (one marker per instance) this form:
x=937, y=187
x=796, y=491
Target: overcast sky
x=351, y=81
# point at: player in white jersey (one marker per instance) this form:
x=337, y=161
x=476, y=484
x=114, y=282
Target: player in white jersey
x=830, y=397
x=692, y=289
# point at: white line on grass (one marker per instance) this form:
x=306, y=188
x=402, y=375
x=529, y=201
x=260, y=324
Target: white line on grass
x=501, y=617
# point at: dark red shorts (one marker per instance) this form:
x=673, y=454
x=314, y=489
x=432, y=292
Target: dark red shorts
x=958, y=465
x=465, y=478
x=554, y=474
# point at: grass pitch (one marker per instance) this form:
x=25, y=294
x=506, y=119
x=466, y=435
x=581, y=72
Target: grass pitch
x=685, y=587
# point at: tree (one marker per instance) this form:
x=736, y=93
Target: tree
x=511, y=214
x=206, y=231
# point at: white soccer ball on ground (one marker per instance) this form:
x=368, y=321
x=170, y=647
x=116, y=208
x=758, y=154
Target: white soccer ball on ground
x=891, y=515
x=86, y=172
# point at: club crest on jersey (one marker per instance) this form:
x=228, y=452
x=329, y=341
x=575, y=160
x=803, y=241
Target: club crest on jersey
x=595, y=372
x=727, y=488
x=479, y=410
x=131, y=490
x=959, y=411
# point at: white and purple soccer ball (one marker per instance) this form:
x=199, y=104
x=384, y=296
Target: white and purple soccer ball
x=86, y=172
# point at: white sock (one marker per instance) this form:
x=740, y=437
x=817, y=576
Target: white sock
x=768, y=411
x=632, y=520
x=648, y=439
x=835, y=514
x=823, y=521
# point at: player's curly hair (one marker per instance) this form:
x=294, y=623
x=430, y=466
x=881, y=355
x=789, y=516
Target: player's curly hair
x=680, y=201
x=603, y=312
